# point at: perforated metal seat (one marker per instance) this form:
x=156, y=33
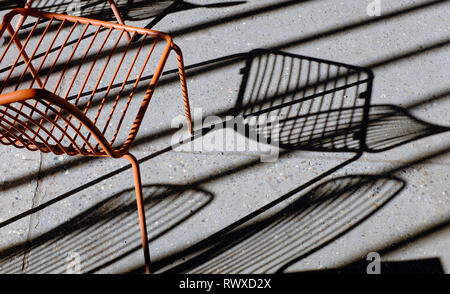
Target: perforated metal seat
x=87, y=103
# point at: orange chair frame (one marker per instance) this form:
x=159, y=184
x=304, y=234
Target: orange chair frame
x=22, y=130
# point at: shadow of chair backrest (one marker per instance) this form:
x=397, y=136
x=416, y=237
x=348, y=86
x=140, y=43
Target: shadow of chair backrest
x=11, y=4
x=105, y=231
x=316, y=103
x=133, y=10
x=61, y=6
x=309, y=223
x=143, y=9
x=100, y=9
x=427, y=266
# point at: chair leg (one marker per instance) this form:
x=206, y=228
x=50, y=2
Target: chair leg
x=23, y=17
x=183, y=82
x=118, y=16
x=141, y=210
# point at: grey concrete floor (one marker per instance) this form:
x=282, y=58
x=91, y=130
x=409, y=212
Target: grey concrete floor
x=226, y=211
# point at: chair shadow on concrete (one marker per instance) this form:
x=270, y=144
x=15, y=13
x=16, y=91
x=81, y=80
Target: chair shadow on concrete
x=11, y=4
x=273, y=240
x=319, y=105
x=102, y=233
x=427, y=266
x=136, y=10
x=312, y=220
x=132, y=10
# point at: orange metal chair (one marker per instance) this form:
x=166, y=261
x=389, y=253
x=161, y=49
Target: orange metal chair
x=53, y=104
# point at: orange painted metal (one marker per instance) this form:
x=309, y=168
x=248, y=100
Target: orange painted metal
x=55, y=113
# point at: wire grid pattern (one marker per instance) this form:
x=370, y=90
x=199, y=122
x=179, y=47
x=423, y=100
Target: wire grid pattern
x=98, y=9
x=92, y=66
x=311, y=221
x=105, y=232
x=318, y=104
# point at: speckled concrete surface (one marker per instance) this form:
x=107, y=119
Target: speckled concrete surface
x=194, y=194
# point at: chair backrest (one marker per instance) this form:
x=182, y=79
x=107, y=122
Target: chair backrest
x=90, y=64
